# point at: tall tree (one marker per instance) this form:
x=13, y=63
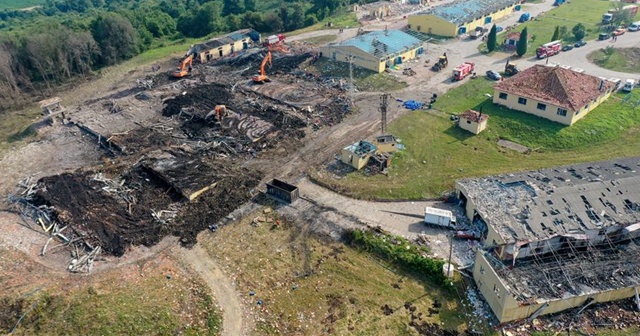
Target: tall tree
x=232, y=7
x=579, y=31
x=117, y=38
x=10, y=76
x=283, y=13
x=250, y=5
x=556, y=34
x=492, y=39
x=296, y=19
x=521, y=46
x=620, y=16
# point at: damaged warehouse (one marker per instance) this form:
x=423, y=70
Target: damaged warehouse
x=557, y=238
x=172, y=163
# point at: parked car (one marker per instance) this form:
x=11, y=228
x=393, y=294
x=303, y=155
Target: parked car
x=629, y=85
x=603, y=36
x=567, y=47
x=634, y=26
x=619, y=31
x=493, y=75
x=580, y=44
x=499, y=29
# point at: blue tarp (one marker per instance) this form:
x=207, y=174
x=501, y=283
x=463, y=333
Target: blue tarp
x=412, y=104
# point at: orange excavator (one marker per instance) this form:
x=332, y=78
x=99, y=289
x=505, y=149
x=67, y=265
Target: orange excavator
x=185, y=68
x=262, y=77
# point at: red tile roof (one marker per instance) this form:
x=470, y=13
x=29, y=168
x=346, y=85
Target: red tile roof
x=473, y=116
x=555, y=85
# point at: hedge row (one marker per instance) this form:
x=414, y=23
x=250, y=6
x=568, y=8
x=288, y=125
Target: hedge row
x=400, y=252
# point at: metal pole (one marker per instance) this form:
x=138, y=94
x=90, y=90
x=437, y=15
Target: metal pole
x=351, y=75
x=450, y=253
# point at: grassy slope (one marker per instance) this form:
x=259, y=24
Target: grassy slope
x=17, y=4
x=136, y=299
x=272, y=261
x=587, y=12
x=623, y=60
x=438, y=152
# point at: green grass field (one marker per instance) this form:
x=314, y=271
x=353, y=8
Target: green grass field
x=438, y=152
x=136, y=299
x=18, y=4
x=315, y=287
x=587, y=12
x=623, y=60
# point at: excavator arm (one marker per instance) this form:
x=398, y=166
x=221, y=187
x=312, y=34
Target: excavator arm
x=262, y=77
x=185, y=67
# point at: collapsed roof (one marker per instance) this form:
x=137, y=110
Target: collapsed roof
x=536, y=205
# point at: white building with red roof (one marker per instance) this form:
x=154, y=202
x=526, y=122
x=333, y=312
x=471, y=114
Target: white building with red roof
x=554, y=93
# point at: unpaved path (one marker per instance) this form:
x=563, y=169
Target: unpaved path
x=402, y=218
x=222, y=287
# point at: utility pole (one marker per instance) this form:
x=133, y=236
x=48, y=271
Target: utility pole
x=383, y=111
x=449, y=271
x=351, y=87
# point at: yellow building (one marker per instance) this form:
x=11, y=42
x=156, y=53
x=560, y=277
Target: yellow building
x=224, y=45
x=553, y=92
x=375, y=50
x=358, y=154
x=473, y=121
x=461, y=17
x=387, y=143
x=557, y=238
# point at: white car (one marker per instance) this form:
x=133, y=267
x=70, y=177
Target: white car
x=628, y=85
x=634, y=26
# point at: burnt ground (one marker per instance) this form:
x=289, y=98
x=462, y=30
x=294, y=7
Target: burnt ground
x=171, y=167
x=116, y=219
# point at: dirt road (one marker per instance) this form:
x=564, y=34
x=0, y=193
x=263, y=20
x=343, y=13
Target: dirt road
x=222, y=287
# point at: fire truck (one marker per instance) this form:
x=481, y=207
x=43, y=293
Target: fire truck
x=463, y=70
x=549, y=49
x=273, y=40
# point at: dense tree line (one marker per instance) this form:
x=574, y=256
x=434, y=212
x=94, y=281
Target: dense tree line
x=63, y=39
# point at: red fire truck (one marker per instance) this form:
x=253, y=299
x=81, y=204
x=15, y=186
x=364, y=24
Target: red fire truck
x=549, y=49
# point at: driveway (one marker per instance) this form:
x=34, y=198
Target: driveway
x=403, y=218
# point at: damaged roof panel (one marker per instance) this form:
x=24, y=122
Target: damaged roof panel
x=383, y=42
x=463, y=11
x=539, y=204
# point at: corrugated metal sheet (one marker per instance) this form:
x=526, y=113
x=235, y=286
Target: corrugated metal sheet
x=382, y=43
x=464, y=11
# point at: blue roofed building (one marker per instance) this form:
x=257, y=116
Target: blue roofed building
x=461, y=16
x=376, y=50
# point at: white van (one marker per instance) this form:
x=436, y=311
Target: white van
x=634, y=26
x=628, y=85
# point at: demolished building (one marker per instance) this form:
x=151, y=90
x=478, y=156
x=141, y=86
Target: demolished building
x=556, y=238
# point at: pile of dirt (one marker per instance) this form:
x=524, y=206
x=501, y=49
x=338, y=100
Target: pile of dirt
x=215, y=204
x=198, y=101
x=139, y=207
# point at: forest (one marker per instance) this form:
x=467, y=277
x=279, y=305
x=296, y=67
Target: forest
x=60, y=40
